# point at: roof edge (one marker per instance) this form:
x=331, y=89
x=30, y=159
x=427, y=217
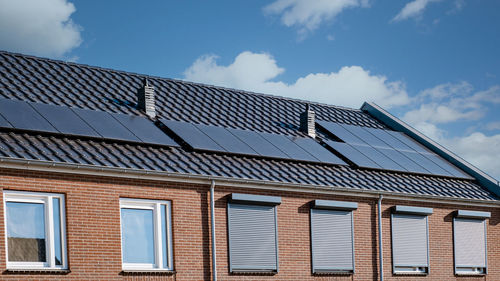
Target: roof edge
x=395, y=123
x=68, y=168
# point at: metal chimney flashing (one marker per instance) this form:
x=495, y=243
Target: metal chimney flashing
x=146, y=99
x=394, y=123
x=308, y=122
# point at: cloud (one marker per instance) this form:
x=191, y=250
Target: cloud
x=38, y=27
x=412, y=9
x=350, y=86
x=308, y=15
x=453, y=103
x=449, y=102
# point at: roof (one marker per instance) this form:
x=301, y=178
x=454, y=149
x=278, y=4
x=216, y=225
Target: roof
x=69, y=84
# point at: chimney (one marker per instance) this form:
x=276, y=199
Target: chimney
x=146, y=99
x=307, y=122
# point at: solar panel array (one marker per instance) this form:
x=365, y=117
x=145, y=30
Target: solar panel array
x=55, y=119
x=251, y=143
x=387, y=150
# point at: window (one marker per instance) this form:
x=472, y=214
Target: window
x=146, y=235
x=469, y=236
x=410, y=240
x=253, y=234
x=35, y=230
x=332, y=239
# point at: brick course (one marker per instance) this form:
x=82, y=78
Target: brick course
x=94, y=243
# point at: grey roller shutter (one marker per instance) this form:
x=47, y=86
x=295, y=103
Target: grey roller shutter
x=332, y=240
x=470, y=243
x=252, y=237
x=409, y=241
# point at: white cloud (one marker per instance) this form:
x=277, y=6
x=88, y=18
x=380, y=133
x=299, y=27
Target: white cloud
x=38, y=27
x=412, y=9
x=447, y=103
x=308, y=15
x=350, y=86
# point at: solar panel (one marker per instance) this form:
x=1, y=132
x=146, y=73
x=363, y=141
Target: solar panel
x=144, y=129
x=340, y=132
x=365, y=135
x=430, y=166
x=288, y=147
x=4, y=123
x=258, y=143
x=409, y=142
x=379, y=158
x=226, y=140
x=195, y=138
x=390, y=140
x=352, y=154
x=318, y=151
x=104, y=124
x=403, y=161
x=22, y=116
x=65, y=120
x=450, y=168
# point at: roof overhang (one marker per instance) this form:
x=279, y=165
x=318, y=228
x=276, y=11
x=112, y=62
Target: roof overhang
x=78, y=169
x=394, y=123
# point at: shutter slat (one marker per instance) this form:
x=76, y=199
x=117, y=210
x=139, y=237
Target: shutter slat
x=252, y=234
x=332, y=239
x=409, y=240
x=470, y=246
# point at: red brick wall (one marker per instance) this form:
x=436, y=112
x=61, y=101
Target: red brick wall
x=93, y=231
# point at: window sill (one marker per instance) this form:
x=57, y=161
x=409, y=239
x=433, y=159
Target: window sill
x=411, y=273
x=148, y=271
x=36, y=270
x=332, y=272
x=254, y=272
x=470, y=274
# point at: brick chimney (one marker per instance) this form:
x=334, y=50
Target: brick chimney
x=146, y=99
x=308, y=122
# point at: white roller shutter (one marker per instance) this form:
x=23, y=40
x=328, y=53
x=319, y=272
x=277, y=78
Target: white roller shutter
x=470, y=244
x=252, y=237
x=409, y=242
x=332, y=240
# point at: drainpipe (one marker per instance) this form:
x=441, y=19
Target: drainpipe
x=380, y=247
x=212, y=217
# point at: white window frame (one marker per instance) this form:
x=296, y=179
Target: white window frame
x=155, y=206
x=46, y=199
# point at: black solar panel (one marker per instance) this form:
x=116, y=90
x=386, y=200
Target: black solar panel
x=409, y=142
x=226, y=140
x=22, y=116
x=366, y=136
x=446, y=165
x=426, y=163
x=195, y=138
x=340, y=132
x=64, y=120
x=352, y=154
x=4, y=123
x=288, y=147
x=379, y=158
x=403, y=161
x=258, y=143
x=104, y=124
x=318, y=151
x=144, y=129
x=387, y=138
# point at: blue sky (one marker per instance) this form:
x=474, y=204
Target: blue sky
x=433, y=63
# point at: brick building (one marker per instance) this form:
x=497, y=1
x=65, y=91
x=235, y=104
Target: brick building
x=109, y=175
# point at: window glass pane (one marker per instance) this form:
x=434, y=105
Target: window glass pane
x=57, y=230
x=137, y=236
x=26, y=231
x=164, y=234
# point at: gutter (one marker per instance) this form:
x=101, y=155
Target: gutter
x=68, y=168
x=394, y=123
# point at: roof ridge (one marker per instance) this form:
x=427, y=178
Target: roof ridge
x=240, y=91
